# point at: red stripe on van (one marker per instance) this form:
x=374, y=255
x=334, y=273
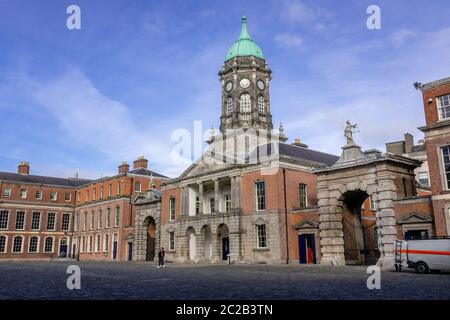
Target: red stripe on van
x=440, y=253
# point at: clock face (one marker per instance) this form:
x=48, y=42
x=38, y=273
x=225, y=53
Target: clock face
x=261, y=85
x=245, y=83
x=229, y=86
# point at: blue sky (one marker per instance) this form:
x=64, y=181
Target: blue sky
x=85, y=100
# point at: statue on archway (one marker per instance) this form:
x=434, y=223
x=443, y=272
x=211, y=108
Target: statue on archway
x=348, y=133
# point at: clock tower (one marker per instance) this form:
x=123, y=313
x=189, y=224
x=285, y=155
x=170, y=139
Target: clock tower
x=245, y=78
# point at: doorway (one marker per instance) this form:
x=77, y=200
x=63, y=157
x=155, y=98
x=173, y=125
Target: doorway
x=63, y=247
x=307, y=248
x=130, y=251
x=355, y=237
x=223, y=241
x=114, y=251
x=150, y=224
x=225, y=248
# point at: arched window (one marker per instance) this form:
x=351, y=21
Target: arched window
x=106, y=245
x=98, y=243
x=83, y=244
x=230, y=106
x=90, y=243
x=2, y=244
x=48, y=244
x=33, y=245
x=246, y=105
x=261, y=104
x=17, y=244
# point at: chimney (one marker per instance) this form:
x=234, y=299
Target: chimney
x=299, y=143
x=23, y=168
x=124, y=167
x=140, y=163
x=409, y=142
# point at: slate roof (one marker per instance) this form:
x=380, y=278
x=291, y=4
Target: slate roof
x=300, y=153
x=65, y=182
x=146, y=172
x=418, y=148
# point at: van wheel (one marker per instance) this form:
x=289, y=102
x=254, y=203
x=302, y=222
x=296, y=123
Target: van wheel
x=421, y=267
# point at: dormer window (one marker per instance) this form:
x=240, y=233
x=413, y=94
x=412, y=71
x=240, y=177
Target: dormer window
x=246, y=106
x=261, y=104
x=443, y=103
x=229, y=105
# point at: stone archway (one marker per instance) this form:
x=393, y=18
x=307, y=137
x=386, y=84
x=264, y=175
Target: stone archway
x=353, y=177
x=148, y=214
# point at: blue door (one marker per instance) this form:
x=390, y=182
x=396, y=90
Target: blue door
x=63, y=250
x=307, y=248
x=302, y=248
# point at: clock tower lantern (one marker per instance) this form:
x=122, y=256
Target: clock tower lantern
x=245, y=78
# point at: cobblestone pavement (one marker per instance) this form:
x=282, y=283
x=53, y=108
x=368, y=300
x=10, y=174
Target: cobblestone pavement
x=129, y=280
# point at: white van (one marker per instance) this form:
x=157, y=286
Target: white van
x=423, y=255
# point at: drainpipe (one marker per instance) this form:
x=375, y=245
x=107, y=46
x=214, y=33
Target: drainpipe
x=286, y=216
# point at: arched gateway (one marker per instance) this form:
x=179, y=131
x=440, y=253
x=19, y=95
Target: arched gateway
x=343, y=188
x=147, y=226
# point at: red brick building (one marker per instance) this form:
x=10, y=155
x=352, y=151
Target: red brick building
x=436, y=100
x=46, y=217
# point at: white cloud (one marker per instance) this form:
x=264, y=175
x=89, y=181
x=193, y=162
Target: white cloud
x=401, y=37
x=297, y=12
x=288, y=40
x=376, y=93
x=91, y=119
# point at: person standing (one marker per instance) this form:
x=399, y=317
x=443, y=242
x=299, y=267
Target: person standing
x=161, y=255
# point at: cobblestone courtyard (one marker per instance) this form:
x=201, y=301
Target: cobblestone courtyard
x=107, y=280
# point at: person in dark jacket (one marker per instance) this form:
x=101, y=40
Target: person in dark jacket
x=161, y=255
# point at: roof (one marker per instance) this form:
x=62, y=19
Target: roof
x=298, y=152
x=436, y=83
x=418, y=148
x=244, y=46
x=28, y=178
x=146, y=172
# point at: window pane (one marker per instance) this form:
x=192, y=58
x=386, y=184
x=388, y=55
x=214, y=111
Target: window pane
x=245, y=103
x=446, y=157
x=4, y=219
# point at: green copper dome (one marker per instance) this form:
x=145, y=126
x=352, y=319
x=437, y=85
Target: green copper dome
x=244, y=46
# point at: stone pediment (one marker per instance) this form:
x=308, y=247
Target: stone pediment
x=415, y=218
x=204, y=165
x=306, y=224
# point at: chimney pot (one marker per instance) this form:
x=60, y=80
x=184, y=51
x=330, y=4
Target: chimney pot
x=140, y=163
x=124, y=167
